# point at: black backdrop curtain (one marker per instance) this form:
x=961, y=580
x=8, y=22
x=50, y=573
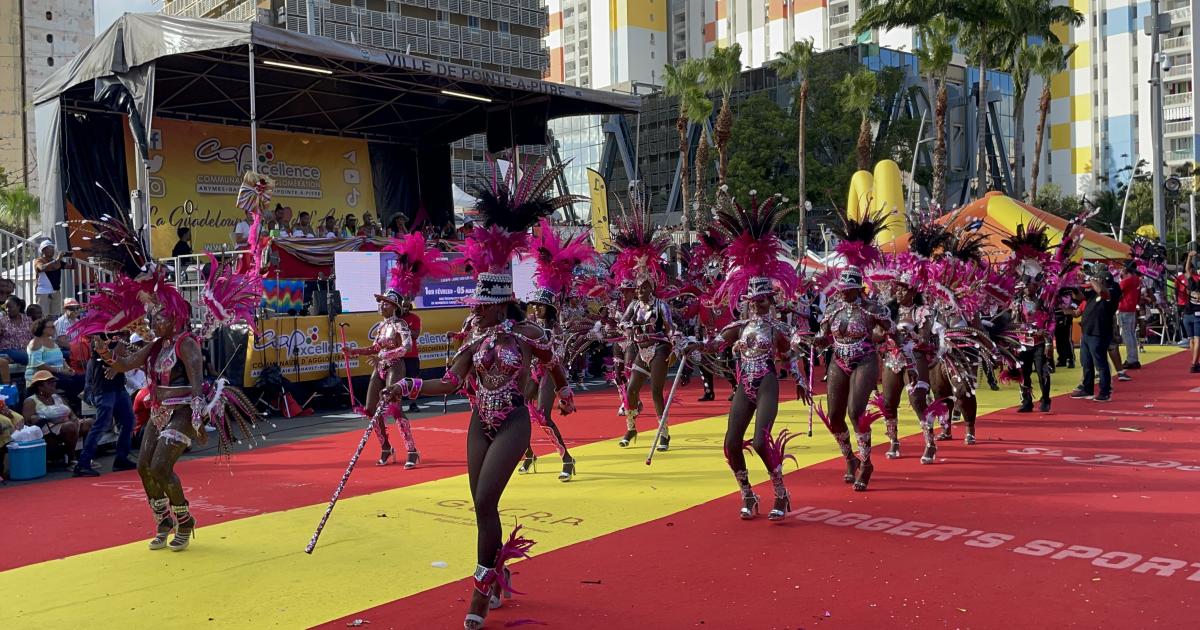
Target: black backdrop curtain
x=94, y=173
x=394, y=175
x=435, y=176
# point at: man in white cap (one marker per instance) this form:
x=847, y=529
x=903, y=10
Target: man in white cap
x=71, y=308
x=49, y=265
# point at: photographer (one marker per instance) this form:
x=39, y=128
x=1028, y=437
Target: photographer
x=1096, y=312
x=49, y=266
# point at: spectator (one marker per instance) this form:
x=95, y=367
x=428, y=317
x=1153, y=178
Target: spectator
x=241, y=231
x=34, y=312
x=412, y=360
x=183, y=247
x=350, y=227
x=10, y=421
x=1097, y=314
x=46, y=356
x=1191, y=316
x=46, y=409
x=70, y=315
x=7, y=288
x=49, y=266
x=16, y=331
x=1127, y=314
x=370, y=230
x=1064, y=348
x=112, y=403
x=281, y=218
x=329, y=229
x=399, y=225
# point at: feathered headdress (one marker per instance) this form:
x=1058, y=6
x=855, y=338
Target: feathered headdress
x=557, y=258
x=638, y=244
x=507, y=209
x=1030, y=250
x=857, y=238
x=754, y=248
x=229, y=296
x=414, y=263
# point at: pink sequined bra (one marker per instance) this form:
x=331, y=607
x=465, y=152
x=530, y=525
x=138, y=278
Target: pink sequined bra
x=497, y=365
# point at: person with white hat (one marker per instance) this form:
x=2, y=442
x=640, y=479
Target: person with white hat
x=49, y=265
x=70, y=315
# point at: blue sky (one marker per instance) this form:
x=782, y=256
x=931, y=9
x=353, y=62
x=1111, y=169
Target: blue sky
x=107, y=11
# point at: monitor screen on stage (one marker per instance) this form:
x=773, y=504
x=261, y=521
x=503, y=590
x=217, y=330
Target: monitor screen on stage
x=360, y=276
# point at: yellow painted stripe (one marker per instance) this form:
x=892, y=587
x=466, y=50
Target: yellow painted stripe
x=380, y=547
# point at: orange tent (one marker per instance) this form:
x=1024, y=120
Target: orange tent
x=1001, y=215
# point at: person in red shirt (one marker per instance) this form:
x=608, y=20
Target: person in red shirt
x=1127, y=314
x=412, y=360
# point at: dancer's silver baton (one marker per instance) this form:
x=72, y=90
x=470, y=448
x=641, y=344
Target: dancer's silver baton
x=662, y=422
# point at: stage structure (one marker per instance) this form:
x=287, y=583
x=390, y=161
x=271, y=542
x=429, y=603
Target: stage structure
x=233, y=85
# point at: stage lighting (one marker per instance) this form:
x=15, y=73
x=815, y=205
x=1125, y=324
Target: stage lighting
x=296, y=66
x=472, y=97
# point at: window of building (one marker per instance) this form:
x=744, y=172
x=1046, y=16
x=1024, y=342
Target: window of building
x=567, y=13
x=49, y=38
x=49, y=15
x=473, y=21
x=50, y=61
x=651, y=39
x=503, y=26
x=443, y=16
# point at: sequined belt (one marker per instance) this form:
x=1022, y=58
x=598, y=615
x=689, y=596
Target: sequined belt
x=751, y=371
x=494, y=405
x=853, y=350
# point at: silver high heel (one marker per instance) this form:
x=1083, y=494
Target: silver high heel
x=749, y=506
x=777, y=513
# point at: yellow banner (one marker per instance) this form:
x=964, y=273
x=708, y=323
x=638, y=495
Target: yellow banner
x=599, y=189
x=301, y=346
x=196, y=168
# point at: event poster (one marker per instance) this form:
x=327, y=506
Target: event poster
x=196, y=169
x=302, y=346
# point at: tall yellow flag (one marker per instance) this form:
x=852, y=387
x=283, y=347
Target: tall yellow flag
x=599, y=189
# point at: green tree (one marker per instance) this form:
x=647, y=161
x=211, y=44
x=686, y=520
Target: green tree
x=758, y=148
x=796, y=62
x=682, y=82
x=858, y=96
x=18, y=207
x=722, y=68
x=936, y=53
x=1048, y=59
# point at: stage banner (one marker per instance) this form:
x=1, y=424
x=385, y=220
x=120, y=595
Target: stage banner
x=302, y=346
x=599, y=190
x=196, y=168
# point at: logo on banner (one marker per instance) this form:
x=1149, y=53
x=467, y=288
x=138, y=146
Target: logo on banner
x=291, y=180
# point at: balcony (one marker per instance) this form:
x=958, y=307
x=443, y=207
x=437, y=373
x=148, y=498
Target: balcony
x=839, y=19
x=1182, y=71
x=1180, y=16
x=1177, y=100
x=1178, y=128
x=1177, y=44
x=1178, y=155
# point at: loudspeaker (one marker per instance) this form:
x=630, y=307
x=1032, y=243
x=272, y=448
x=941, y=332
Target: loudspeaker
x=323, y=301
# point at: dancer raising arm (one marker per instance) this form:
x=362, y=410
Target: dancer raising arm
x=495, y=363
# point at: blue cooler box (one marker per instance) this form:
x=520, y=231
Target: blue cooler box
x=27, y=460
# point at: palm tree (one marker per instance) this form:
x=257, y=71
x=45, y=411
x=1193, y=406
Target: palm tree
x=936, y=53
x=698, y=108
x=796, y=62
x=858, y=95
x=1048, y=60
x=18, y=207
x=721, y=71
x=679, y=81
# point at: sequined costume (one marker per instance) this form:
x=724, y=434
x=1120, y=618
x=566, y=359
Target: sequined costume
x=393, y=340
x=648, y=326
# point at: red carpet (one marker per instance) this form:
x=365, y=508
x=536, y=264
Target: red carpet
x=1062, y=520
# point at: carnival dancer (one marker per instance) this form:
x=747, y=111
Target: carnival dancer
x=181, y=401
x=757, y=340
x=556, y=261
x=495, y=361
x=705, y=266
x=854, y=324
x=621, y=347
x=647, y=319
x=415, y=262
x=1035, y=322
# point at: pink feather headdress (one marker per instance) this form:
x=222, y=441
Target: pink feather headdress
x=638, y=244
x=415, y=262
x=229, y=297
x=857, y=239
x=557, y=259
x=754, y=248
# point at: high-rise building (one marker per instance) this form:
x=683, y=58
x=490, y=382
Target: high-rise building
x=500, y=35
x=36, y=38
x=1099, y=122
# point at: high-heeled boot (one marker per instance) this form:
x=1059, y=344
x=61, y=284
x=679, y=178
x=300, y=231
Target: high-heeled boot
x=749, y=499
x=165, y=523
x=630, y=428
x=930, y=443
x=486, y=588
x=1026, y=400
x=866, y=467
x=185, y=530
x=783, y=501
x=414, y=457
x=843, y=440
x=891, y=429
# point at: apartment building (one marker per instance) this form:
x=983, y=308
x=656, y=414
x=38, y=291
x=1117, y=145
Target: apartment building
x=36, y=38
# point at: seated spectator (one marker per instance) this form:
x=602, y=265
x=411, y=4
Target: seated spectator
x=16, y=331
x=70, y=315
x=45, y=355
x=241, y=231
x=10, y=421
x=329, y=229
x=370, y=230
x=7, y=288
x=46, y=409
x=303, y=227
x=34, y=312
x=350, y=227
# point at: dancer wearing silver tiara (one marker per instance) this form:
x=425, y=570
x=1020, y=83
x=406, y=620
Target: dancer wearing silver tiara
x=493, y=366
x=757, y=340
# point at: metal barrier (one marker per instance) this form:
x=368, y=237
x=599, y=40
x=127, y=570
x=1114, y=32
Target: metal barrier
x=16, y=263
x=189, y=274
